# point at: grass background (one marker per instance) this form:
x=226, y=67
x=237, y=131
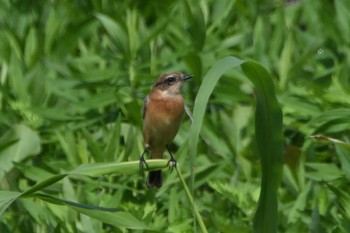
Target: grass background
x=73, y=78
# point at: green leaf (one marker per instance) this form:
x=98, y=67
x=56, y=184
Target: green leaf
x=119, y=219
x=132, y=167
x=285, y=61
x=25, y=142
x=113, y=144
x=51, y=29
x=31, y=47
x=15, y=47
x=205, y=90
x=343, y=200
x=34, y=173
x=343, y=152
x=269, y=139
x=342, y=18
x=323, y=171
x=6, y=199
x=43, y=184
x=197, y=25
x=59, y=201
x=331, y=119
x=116, y=32
x=190, y=198
x=268, y=125
x=299, y=205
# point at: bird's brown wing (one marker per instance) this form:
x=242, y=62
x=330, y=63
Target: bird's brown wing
x=144, y=107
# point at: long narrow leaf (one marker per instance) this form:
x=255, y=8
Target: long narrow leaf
x=43, y=184
x=268, y=133
x=6, y=199
x=190, y=198
x=207, y=87
x=269, y=138
x=59, y=201
x=124, y=168
x=119, y=219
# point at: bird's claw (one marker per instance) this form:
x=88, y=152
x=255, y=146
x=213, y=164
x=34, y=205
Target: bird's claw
x=172, y=163
x=143, y=164
x=172, y=160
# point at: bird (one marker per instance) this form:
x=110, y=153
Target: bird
x=162, y=113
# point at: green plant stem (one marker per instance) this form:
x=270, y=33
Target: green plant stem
x=190, y=198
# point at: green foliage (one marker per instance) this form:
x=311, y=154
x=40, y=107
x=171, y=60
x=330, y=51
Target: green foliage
x=72, y=82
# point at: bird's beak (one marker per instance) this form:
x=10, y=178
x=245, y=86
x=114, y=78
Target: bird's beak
x=187, y=76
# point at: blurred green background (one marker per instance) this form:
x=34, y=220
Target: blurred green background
x=74, y=75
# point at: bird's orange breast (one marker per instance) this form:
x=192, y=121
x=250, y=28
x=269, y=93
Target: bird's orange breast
x=164, y=109
x=162, y=119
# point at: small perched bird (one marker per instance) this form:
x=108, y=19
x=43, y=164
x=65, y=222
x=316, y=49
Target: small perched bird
x=162, y=113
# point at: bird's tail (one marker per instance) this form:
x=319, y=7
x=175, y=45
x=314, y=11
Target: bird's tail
x=154, y=179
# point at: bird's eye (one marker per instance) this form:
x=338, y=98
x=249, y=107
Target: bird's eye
x=170, y=79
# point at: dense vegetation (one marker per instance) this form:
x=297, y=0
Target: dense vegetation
x=73, y=78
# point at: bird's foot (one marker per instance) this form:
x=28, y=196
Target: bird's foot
x=172, y=163
x=143, y=164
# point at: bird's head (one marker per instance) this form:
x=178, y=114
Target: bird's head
x=171, y=83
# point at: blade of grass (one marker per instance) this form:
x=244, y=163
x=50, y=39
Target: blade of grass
x=268, y=134
x=190, y=198
x=97, y=169
x=205, y=90
x=59, y=201
x=269, y=138
x=43, y=184
x=6, y=199
x=124, y=168
x=207, y=87
x=118, y=219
